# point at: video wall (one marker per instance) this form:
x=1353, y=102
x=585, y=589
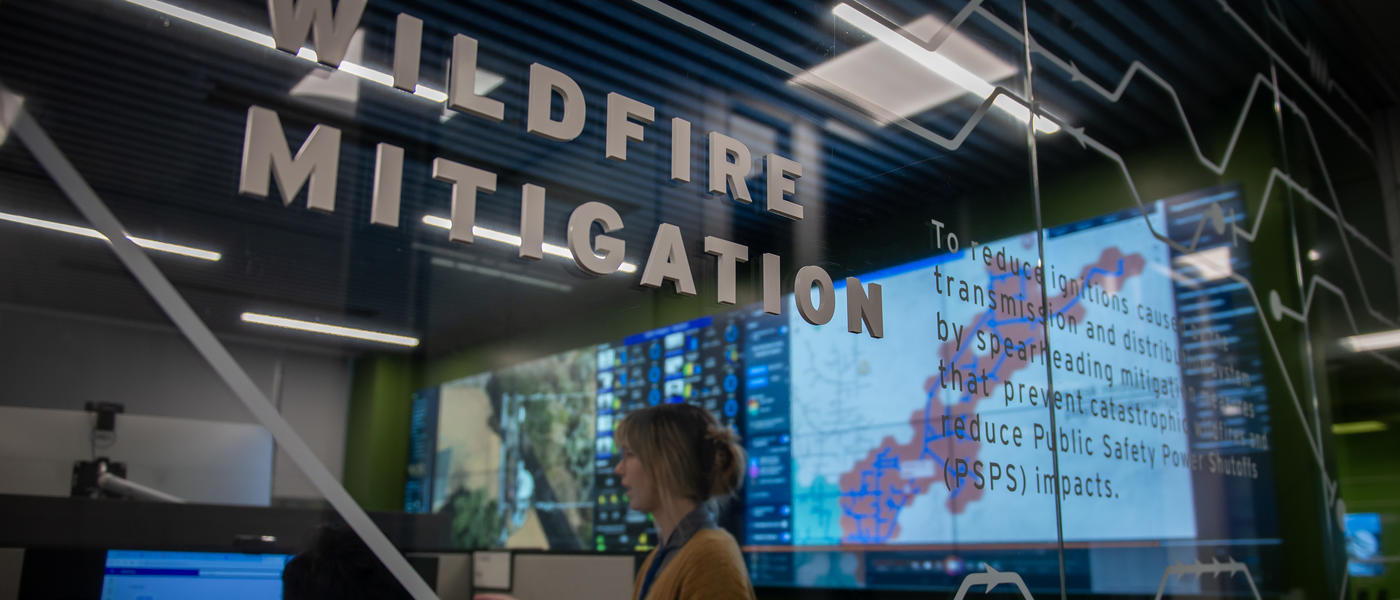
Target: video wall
x=907, y=461
x=523, y=456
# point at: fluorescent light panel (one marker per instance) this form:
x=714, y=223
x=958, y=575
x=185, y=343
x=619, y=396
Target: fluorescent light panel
x=514, y=240
x=336, y=330
x=485, y=80
x=86, y=232
x=1371, y=342
x=940, y=65
x=1358, y=427
x=516, y=277
x=890, y=86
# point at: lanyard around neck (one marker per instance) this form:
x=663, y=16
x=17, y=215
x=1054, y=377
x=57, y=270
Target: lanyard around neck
x=652, y=571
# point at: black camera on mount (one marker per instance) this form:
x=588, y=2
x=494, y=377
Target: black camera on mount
x=106, y=415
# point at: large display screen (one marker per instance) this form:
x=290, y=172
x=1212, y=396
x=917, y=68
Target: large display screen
x=912, y=460
x=695, y=362
x=522, y=457
x=902, y=462
x=506, y=450
x=960, y=387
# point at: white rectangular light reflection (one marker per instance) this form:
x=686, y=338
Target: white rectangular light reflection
x=337, y=330
x=86, y=232
x=513, y=240
x=939, y=64
x=485, y=80
x=1208, y=265
x=890, y=86
x=1371, y=342
x=9, y=111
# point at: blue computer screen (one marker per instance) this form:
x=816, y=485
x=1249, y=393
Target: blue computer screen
x=1363, y=545
x=158, y=575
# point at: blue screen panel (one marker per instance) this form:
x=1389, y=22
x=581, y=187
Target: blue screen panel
x=161, y=575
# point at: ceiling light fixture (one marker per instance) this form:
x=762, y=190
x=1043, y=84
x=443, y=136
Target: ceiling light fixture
x=337, y=330
x=485, y=80
x=513, y=240
x=484, y=270
x=889, y=86
x=1358, y=427
x=86, y=232
x=940, y=65
x=1371, y=342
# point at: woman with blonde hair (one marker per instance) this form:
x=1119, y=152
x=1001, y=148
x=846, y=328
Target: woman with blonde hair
x=678, y=463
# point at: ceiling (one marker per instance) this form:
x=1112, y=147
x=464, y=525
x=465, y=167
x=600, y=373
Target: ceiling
x=151, y=110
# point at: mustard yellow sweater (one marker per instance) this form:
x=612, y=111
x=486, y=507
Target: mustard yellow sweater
x=708, y=567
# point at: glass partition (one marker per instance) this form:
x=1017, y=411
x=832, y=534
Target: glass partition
x=1040, y=299
x=1200, y=290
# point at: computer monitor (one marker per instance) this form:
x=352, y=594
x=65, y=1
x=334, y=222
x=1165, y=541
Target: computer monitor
x=161, y=575
x=1364, y=545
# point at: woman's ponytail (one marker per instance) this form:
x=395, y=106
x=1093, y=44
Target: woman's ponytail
x=726, y=475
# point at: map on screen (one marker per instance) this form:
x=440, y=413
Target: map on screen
x=876, y=423
x=870, y=457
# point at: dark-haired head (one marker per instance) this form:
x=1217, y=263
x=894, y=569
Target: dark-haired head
x=338, y=565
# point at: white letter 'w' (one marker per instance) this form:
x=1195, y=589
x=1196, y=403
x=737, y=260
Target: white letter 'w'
x=291, y=19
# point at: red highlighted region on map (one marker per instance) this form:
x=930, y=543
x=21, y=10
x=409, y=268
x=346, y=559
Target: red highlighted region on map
x=888, y=477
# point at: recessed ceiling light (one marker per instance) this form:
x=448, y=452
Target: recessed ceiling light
x=86, y=232
x=503, y=274
x=869, y=76
x=513, y=240
x=889, y=85
x=1358, y=427
x=336, y=330
x=1371, y=342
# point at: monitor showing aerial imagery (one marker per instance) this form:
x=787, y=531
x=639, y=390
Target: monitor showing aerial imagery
x=507, y=452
